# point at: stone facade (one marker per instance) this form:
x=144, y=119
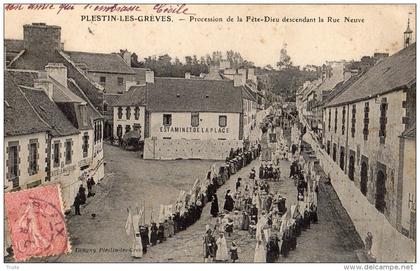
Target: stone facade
x=352, y=135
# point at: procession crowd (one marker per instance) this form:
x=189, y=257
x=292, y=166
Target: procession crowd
x=255, y=208
x=188, y=206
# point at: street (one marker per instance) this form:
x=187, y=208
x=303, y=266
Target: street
x=130, y=181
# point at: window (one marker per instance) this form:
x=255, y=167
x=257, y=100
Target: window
x=137, y=126
x=383, y=121
x=13, y=162
x=119, y=131
x=366, y=122
x=85, y=145
x=127, y=128
x=137, y=113
x=120, y=112
x=343, y=121
x=329, y=119
x=84, y=114
x=68, y=151
x=167, y=119
x=195, y=119
x=105, y=107
x=56, y=155
x=335, y=121
x=222, y=121
x=328, y=147
x=120, y=81
x=353, y=120
x=33, y=158
x=102, y=80
x=128, y=112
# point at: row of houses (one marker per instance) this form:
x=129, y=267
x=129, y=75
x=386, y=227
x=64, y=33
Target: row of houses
x=226, y=112
x=366, y=123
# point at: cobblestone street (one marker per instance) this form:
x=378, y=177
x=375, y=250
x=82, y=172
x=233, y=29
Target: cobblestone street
x=130, y=180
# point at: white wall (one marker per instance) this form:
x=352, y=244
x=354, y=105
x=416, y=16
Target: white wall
x=67, y=175
x=207, y=129
x=207, y=149
x=388, y=244
x=409, y=182
x=387, y=154
x=25, y=178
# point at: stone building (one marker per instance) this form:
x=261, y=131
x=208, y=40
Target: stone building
x=367, y=129
x=185, y=118
x=43, y=65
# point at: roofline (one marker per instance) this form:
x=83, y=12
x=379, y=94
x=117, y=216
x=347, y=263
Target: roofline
x=52, y=128
x=399, y=88
x=84, y=95
x=16, y=58
x=68, y=59
x=119, y=72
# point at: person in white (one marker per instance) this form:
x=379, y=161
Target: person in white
x=222, y=250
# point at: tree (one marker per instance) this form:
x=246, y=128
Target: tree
x=285, y=60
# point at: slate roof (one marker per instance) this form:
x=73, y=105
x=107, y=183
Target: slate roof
x=23, y=77
x=135, y=96
x=97, y=62
x=13, y=45
x=193, y=95
x=392, y=73
x=62, y=94
x=92, y=112
x=248, y=93
x=49, y=112
x=337, y=90
x=19, y=116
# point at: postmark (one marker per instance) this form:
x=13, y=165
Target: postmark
x=36, y=222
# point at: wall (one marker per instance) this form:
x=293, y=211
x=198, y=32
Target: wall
x=388, y=244
x=131, y=121
x=250, y=115
x=111, y=83
x=409, y=184
x=209, y=123
x=210, y=149
x=23, y=151
x=67, y=174
x=386, y=154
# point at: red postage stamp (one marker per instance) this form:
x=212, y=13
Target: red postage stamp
x=36, y=222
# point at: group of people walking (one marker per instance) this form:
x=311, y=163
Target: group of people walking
x=189, y=205
x=81, y=196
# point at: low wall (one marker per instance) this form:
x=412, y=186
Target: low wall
x=169, y=149
x=389, y=245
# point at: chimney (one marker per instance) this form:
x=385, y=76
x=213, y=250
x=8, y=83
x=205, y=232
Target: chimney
x=127, y=57
x=347, y=74
x=58, y=72
x=238, y=80
x=41, y=38
x=150, y=77
x=187, y=75
x=46, y=85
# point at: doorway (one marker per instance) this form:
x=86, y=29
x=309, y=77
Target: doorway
x=380, y=203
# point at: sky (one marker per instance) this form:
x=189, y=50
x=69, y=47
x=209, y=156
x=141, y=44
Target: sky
x=307, y=43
